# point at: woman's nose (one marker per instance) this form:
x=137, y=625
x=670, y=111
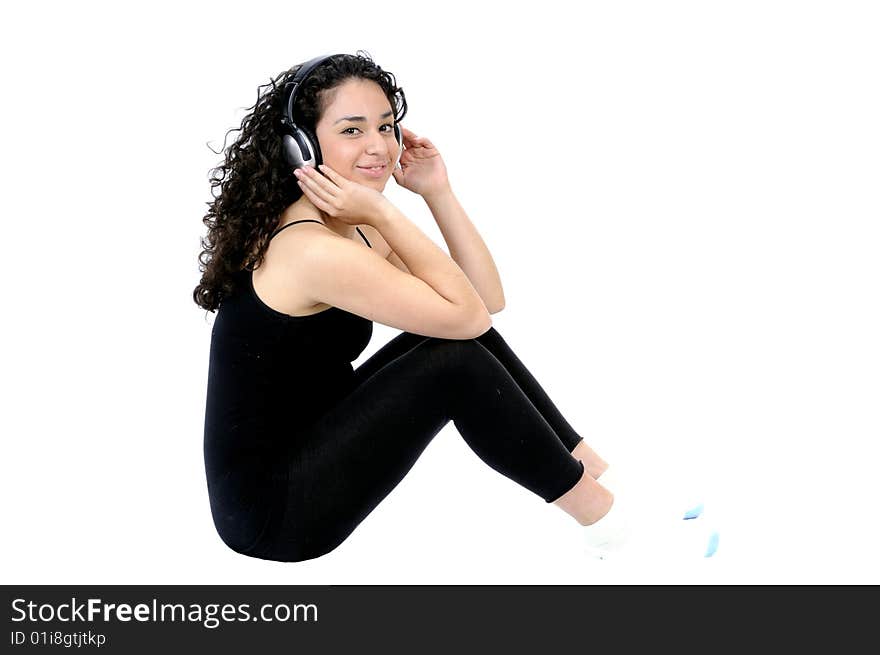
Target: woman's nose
x=377, y=144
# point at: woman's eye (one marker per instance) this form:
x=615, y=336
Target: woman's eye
x=346, y=130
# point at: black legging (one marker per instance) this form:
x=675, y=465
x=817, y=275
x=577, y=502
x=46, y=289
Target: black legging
x=351, y=458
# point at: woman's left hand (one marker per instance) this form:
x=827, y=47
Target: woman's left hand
x=421, y=169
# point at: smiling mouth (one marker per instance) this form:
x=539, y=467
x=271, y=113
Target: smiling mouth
x=372, y=168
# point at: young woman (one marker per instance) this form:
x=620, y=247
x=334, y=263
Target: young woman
x=300, y=447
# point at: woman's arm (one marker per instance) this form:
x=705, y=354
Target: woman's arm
x=422, y=171
x=430, y=264
x=467, y=248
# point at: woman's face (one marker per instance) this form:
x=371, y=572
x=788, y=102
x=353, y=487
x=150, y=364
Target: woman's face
x=356, y=131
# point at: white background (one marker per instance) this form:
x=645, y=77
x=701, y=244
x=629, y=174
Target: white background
x=681, y=198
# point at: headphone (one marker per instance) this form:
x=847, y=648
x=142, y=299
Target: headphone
x=299, y=144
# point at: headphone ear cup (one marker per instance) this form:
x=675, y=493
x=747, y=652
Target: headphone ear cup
x=312, y=140
x=398, y=133
x=297, y=152
x=300, y=149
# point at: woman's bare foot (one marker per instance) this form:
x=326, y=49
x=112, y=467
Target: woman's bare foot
x=587, y=501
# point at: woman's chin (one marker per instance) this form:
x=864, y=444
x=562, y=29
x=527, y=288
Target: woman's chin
x=379, y=185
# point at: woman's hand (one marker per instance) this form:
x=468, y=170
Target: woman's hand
x=421, y=169
x=341, y=198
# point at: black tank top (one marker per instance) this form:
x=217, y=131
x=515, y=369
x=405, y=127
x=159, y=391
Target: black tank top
x=269, y=375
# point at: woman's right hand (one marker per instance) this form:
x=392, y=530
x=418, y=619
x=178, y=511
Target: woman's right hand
x=339, y=197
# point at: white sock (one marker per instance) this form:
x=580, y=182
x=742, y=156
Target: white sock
x=686, y=506
x=661, y=535
x=654, y=527
x=683, y=541
x=607, y=536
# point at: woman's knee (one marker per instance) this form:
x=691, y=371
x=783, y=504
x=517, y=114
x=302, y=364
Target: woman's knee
x=490, y=337
x=457, y=357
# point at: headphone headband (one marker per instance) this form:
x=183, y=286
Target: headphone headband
x=291, y=88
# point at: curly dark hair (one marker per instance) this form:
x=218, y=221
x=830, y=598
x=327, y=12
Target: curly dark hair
x=256, y=183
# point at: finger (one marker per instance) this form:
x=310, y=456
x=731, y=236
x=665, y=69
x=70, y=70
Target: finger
x=321, y=182
x=308, y=181
x=328, y=189
x=316, y=200
x=424, y=141
x=412, y=136
x=332, y=175
x=417, y=142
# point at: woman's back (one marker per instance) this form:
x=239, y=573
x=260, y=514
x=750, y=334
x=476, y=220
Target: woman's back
x=270, y=376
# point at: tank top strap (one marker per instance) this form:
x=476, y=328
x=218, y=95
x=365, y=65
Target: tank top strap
x=304, y=220
x=312, y=220
x=362, y=235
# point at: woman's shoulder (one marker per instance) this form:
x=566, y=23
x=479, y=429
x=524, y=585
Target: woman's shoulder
x=278, y=281
x=286, y=250
x=304, y=235
x=291, y=237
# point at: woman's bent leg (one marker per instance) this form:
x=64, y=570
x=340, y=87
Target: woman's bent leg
x=396, y=347
x=354, y=456
x=495, y=343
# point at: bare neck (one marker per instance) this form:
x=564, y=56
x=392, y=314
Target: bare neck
x=303, y=208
